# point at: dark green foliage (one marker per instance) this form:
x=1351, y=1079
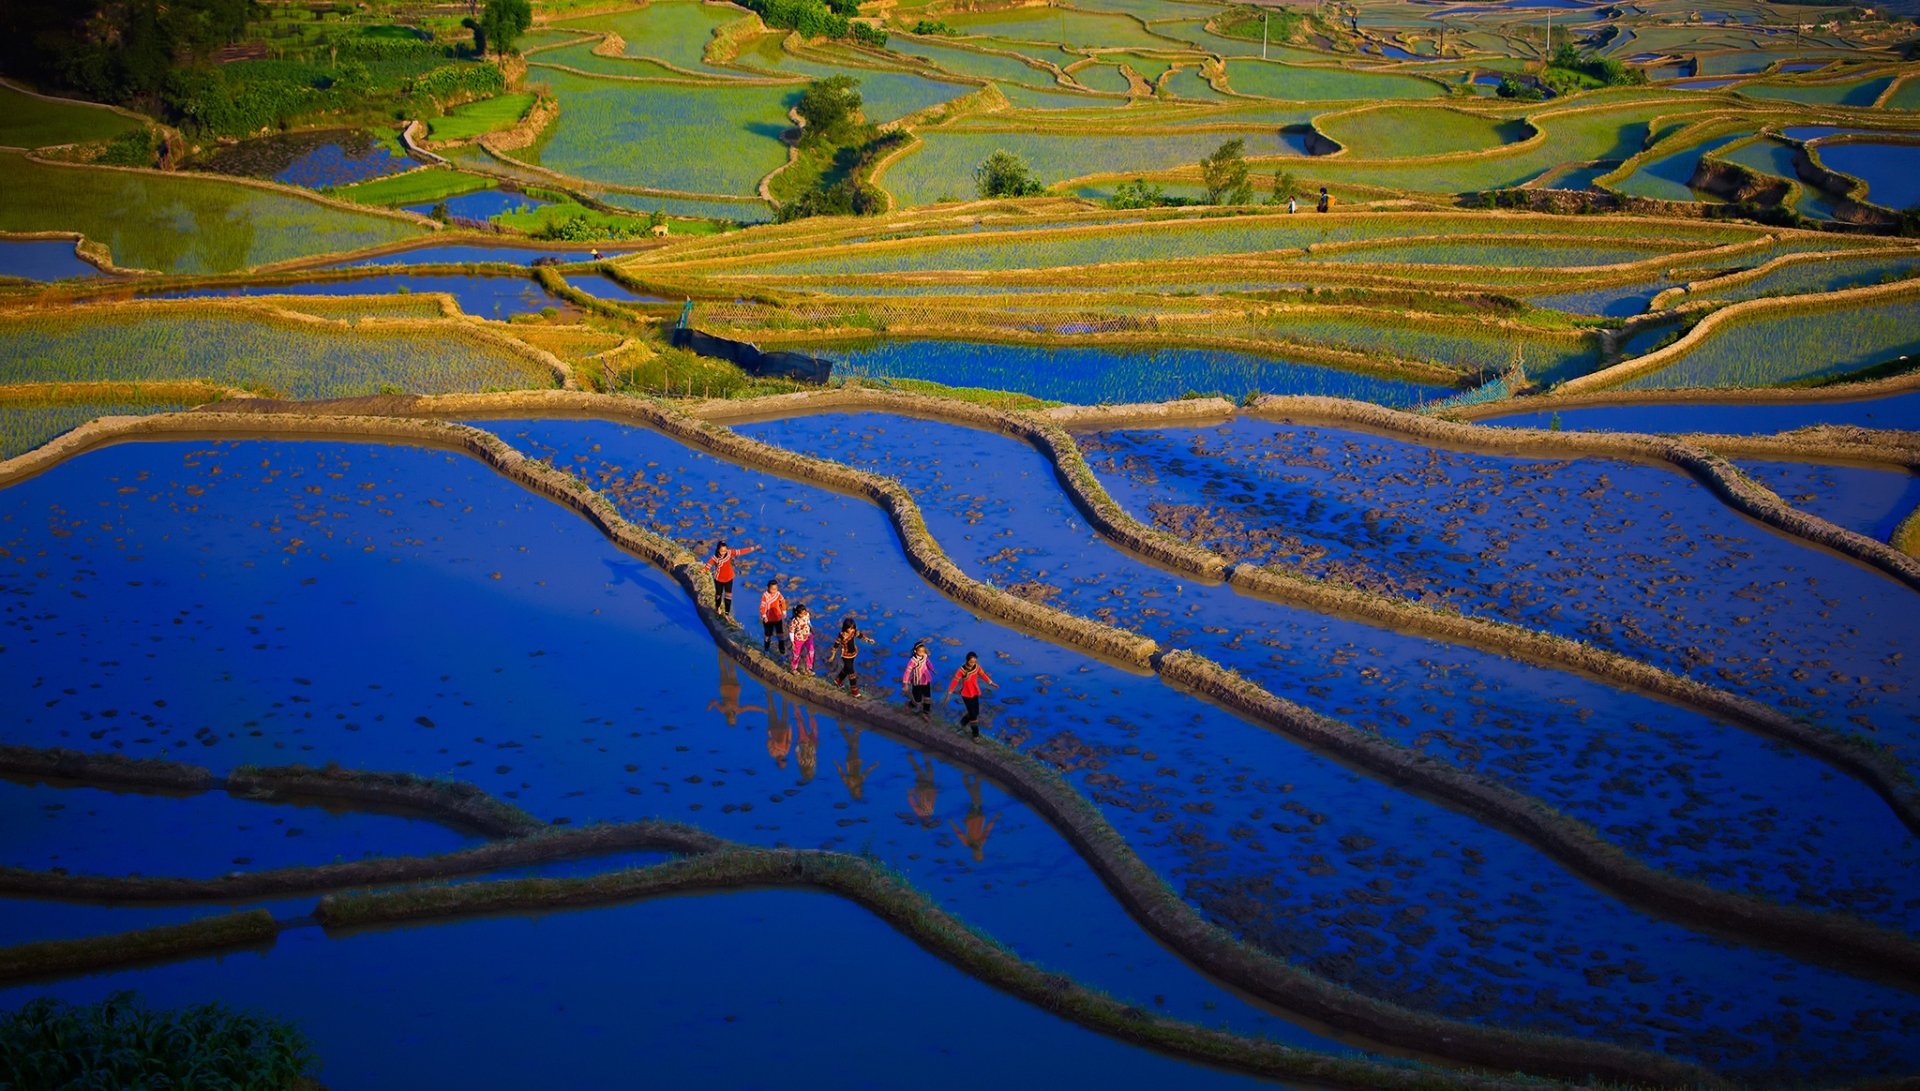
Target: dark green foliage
x=500, y=22
x=119, y=1043
x=1570, y=70
x=932, y=26
x=1285, y=187
x=1004, y=174
x=843, y=189
x=816, y=19
x=115, y=50
x=1225, y=174
x=831, y=109
x=133, y=148
x=1140, y=193
x=1519, y=89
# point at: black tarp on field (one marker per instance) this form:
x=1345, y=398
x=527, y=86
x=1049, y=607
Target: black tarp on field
x=775, y=365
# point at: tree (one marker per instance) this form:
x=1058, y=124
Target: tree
x=1004, y=174
x=1224, y=173
x=1285, y=187
x=500, y=22
x=831, y=110
x=1137, y=194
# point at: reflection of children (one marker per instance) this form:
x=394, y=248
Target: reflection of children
x=847, y=644
x=729, y=705
x=978, y=826
x=852, y=773
x=922, y=796
x=779, y=736
x=722, y=564
x=808, y=751
x=800, y=639
x=773, y=617
x=968, y=680
x=917, y=681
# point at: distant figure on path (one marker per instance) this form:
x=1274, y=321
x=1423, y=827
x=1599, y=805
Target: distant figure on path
x=847, y=645
x=722, y=565
x=773, y=618
x=968, y=680
x=1326, y=200
x=917, y=681
x=800, y=639
x=1293, y=205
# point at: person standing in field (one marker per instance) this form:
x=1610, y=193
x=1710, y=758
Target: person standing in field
x=847, y=646
x=773, y=618
x=800, y=639
x=722, y=565
x=917, y=681
x=1293, y=205
x=968, y=680
x=1326, y=200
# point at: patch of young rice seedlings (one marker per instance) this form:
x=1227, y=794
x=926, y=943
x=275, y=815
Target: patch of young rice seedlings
x=1514, y=255
x=24, y=427
x=288, y=358
x=1059, y=26
x=485, y=116
x=666, y=136
x=1299, y=83
x=670, y=31
x=28, y=121
x=1399, y=132
x=179, y=224
x=1543, y=359
x=1826, y=274
x=1859, y=93
x=581, y=57
x=1811, y=341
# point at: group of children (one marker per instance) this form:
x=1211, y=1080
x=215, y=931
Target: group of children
x=794, y=638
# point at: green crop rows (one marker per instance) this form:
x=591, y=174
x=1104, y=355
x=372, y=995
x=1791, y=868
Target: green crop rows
x=1782, y=348
x=293, y=360
x=182, y=225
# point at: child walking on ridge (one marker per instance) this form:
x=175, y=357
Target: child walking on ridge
x=722, y=564
x=800, y=639
x=848, y=645
x=968, y=680
x=773, y=618
x=917, y=681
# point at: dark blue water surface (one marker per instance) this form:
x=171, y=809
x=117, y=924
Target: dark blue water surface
x=1635, y=558
x=336, y=165
x=1089, y=375
x=1619, y=301
x=605, y=287
x=278, y=602
x=93, y=832
x=750, y=989
x=1867, y=500
x=483, y=204
x=1901, y=411
x=1351, y=877
x=1891, y=171
x=1683, y=792
x=485, y=296
x=43, y=259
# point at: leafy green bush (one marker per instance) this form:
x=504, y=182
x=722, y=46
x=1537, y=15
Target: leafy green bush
x=1224, y=173
x=133, y=148
x=1140, y=193
x=933, y=26
x=119, y=1043
x=1004, y=174
x=460, y=80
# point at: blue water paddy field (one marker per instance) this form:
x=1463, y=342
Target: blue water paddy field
x=1454, y=635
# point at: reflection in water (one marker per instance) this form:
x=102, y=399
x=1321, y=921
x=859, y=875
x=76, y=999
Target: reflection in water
x=809, y=750
x=924, y=793
x=728, y=704
x=852, y=773
x=978, y=826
